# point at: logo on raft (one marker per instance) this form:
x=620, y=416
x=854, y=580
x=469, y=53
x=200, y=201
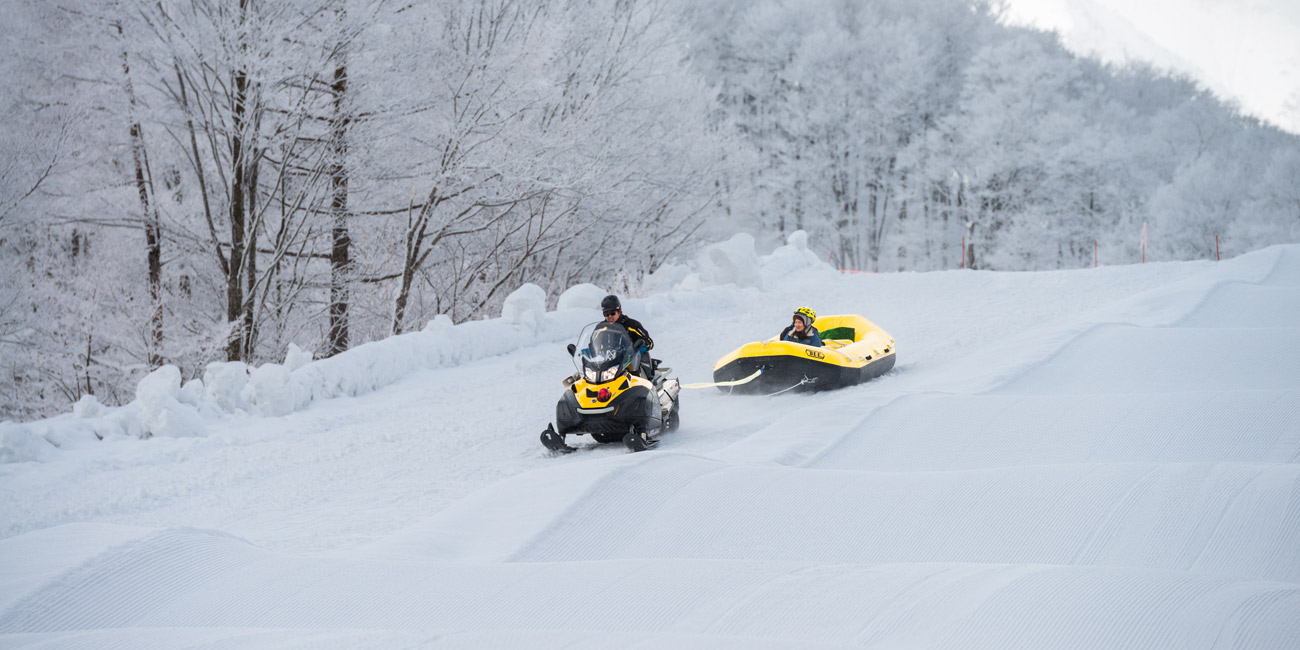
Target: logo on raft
x=814, y=354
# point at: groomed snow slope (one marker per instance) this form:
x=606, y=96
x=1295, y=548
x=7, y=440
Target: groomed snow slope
x=1106, y=458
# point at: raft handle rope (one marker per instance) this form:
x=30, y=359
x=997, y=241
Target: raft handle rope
x=806, y=380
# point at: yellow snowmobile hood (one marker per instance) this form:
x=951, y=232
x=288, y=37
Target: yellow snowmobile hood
x=594, y=397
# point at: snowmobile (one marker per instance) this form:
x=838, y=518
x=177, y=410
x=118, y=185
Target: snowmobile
x=610, y=397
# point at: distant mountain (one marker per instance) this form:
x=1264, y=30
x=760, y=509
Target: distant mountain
x=1243, y=50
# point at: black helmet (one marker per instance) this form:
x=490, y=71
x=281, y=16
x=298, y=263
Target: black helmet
x=610, y=303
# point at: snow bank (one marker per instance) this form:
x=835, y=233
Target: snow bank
x=167, y=408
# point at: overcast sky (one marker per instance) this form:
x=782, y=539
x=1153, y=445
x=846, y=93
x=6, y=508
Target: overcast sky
x=1246, y=50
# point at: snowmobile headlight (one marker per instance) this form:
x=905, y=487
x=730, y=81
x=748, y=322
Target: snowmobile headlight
x=609, y=374
x=590, y=373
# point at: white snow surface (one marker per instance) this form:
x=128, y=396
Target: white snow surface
x=1098, y=458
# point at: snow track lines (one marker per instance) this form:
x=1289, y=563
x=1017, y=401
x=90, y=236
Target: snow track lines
x=1183, y=517
x=1286, y=270
x=1123, y=359
x=129, y=583
x=331, y=639
x=333, y=602
x=945, y=432
x=1247, y=306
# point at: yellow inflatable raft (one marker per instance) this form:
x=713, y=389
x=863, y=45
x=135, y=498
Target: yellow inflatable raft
x=854, y=350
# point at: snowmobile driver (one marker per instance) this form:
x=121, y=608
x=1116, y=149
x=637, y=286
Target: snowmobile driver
x=801, y=328
x=612, y=309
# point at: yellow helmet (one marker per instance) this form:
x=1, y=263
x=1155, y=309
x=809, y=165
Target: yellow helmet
x=808, y=315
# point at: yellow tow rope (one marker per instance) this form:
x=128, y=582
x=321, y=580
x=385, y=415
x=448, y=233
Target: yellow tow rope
x=734, y=382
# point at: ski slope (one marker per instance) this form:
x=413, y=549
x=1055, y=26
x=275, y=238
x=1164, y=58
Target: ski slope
x=1101, y=458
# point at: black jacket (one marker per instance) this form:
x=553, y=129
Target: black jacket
x=640, y=337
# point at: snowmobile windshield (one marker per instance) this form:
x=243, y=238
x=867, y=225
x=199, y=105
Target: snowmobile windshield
x=603, y=351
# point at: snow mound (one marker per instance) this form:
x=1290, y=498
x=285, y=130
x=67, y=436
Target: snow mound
x=581, y=296
x=731, y=262
x=270, y=390
x=296, y=358
x=794, y=256
x=87, y=407
x=526, y=306
x=669, y=277
x=224, y=384
x=735, y=262
x=161, y=411
x=19, y=442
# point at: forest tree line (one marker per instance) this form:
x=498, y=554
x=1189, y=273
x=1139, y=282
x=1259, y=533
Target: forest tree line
x=211, y=180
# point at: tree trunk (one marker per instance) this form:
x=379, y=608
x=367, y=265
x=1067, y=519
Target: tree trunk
x=970, y=245
x=414, y=256
x=408, y=274
x=339, y=253
x=153, y=242
x=249, y=326
x=234, y=277
x=198, y=171
x=152, y=229
x=238, y=211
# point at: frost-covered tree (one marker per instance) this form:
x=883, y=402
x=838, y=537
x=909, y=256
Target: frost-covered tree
x=530, y=138
x=74, y=308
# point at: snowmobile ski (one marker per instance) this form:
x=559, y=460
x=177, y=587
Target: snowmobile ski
x=639, y=441
x=555, y=442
